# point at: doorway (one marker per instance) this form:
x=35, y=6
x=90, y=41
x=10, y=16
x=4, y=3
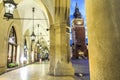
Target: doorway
x=12, y=47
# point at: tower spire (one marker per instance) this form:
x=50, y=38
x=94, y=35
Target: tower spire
x=76, y=5
x=77, y=13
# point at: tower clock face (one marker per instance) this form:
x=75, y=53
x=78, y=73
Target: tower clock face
x=79, y=22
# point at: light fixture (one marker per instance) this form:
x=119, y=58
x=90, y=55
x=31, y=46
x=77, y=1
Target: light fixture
x=10, y=6
x=33, y=36
x=38, y=43
x=40, y=47
x=25, y=46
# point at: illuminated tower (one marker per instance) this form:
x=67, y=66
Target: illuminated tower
x=78, y=34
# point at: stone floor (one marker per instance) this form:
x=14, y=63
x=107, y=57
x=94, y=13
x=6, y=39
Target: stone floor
x=81, y=67
x=40, y=72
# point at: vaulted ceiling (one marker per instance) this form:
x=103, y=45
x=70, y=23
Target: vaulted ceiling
x=25, y=11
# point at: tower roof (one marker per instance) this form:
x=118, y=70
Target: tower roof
x=76, y=6
x=77, y=13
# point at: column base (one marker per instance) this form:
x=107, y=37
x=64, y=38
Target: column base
x=51, y=70
x=64, y=69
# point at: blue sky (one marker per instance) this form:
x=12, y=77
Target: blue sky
x=81, y=5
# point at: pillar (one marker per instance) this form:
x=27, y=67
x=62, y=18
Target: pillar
x=29, y=43
x=63, y=65
x=103, y=21
x=52, y=50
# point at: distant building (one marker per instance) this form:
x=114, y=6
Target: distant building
x=78, y=34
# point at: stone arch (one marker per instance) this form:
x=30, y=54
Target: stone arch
x=18, y=38
x=26, y=36
x=52, y=40
x=12, y=46
x=49, y=14
x=10, y=27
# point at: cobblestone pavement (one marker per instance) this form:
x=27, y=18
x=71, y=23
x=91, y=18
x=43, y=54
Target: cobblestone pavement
x=81, y=69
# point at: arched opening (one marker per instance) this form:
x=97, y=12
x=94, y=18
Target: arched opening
x=79, y=39
x=12, y=47
x=25, y=52
x=42, y=51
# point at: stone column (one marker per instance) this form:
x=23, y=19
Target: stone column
x=103, y=21
x=20, y=52
x=30, y=51
x=18, y=56
x=63, y=65
x=52, y=50
x=68, y=44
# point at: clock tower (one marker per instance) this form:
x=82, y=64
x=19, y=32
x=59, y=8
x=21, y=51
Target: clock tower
x=78, y=34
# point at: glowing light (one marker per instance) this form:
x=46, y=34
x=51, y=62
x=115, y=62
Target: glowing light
x=23, y=59
x=32, y=56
